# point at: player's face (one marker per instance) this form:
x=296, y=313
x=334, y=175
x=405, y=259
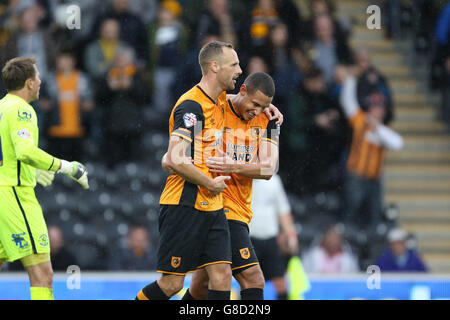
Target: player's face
x=253, y=104
x=35, y=86
x=229, y=69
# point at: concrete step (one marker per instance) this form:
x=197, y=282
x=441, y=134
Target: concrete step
x=439, y=267
x=426, y=143
x=414, y=170
x=423, y=202
x=415, y=114
x=413, y=99
x=437, y=229
x=434, y=246
x=393, y=72
x=421, y=216
x=418, y=188
x=374, y=45
x=418, y=157
x=415, y=127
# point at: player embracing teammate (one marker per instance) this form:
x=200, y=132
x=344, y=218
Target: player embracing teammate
x=194, y=230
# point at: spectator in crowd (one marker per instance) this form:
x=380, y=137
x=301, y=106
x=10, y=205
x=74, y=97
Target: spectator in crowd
x=371, y=80
x=168, y=41
x=132, y=29
x=145, y=9
x=441, y=62
x=100, y=54
x=331, y=255
x=77, y=38
x=217, y=19
x=326, y=49
x=365, y=162
x=188, y=70
x=324, y=7
x=68, y=100
x=255, y=35
x=121, y=96
x=285, y=73
x=31, y=40
x=60, y=255
x=138, y=253
x=272, y=231
x=397, y=257
x=290, y=15
x=316, y=134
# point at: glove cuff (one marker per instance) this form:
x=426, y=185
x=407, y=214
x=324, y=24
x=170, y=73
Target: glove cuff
x=66, y=167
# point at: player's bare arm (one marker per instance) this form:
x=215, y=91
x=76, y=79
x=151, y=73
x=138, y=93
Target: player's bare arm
x=177, y=161
x=264, y=167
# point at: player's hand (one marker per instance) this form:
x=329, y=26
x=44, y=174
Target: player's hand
x=272, y=113
x=44, y=178
x=75, y=171
x=165, y=165
x=221, y=163
x=218, y=185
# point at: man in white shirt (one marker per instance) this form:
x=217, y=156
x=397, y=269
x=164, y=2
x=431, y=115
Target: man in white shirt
x=272, y=231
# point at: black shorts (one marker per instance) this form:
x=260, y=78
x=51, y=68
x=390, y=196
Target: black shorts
x=270, y=259
x=190, y=239
x=242, y=252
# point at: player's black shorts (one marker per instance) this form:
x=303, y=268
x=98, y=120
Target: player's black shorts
x=270, y=259
x=242, y=252
x=190, y=239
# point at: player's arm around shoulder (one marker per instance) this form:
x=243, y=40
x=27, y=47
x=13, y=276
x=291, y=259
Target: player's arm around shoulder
x=175, y=161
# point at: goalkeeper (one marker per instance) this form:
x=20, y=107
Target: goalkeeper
x=23, y=231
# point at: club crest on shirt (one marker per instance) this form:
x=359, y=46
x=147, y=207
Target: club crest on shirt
x=189, y=119
x=175, y=262
x=245, y=253
x=256, y=132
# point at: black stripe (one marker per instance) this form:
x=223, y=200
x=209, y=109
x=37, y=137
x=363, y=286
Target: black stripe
x=26, y=222
x=53, y=161
x=212, y=100
x=232, y=109
x=18, y=173
x=189, y=194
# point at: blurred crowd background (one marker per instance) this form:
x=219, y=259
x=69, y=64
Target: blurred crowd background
x=109, y=86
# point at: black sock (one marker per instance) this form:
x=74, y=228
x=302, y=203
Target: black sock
x=152, y=292
x=187, y=296
x=252, y=294
x=218, y=295
x=282, y=296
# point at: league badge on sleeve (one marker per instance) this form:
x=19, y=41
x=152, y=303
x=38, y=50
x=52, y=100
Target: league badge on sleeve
x=24, y=133
x=190, y=120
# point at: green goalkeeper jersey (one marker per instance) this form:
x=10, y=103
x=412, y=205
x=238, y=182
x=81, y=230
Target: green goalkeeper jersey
x=19, y=137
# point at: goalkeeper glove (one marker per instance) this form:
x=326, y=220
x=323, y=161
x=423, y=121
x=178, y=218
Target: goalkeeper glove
x=44, y=178
x=75, y=171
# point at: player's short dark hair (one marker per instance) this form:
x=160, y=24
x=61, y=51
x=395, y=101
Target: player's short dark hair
x=16, y=71
x=260, y=81
x=210, y=51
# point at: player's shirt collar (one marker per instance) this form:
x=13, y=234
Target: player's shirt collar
x=212, y=100
x=234, y=111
